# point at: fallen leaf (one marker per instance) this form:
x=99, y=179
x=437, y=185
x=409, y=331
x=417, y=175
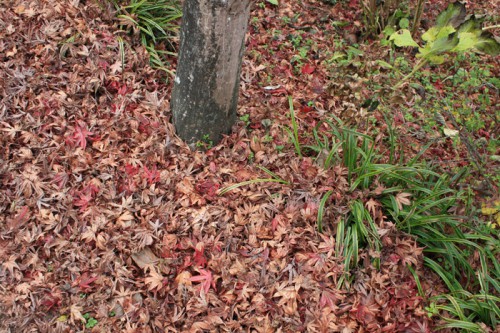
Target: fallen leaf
x=308, y=69
x=206, y=280
x=145, y=258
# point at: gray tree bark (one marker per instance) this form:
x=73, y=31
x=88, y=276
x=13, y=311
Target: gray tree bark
x=205, y=94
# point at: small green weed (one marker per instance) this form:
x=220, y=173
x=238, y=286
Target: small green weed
x=245, y=119
x=205, y=143
x=91, y=322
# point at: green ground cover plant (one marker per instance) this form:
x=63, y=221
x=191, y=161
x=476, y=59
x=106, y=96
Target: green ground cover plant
x=418, y=200
x=453, y=32
x=157, y=24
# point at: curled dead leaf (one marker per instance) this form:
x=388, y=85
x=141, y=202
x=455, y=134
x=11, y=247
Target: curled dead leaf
x=183, y=279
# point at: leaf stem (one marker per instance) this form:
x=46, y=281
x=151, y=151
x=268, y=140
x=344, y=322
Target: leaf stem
x=417, y=67
x=491, y=27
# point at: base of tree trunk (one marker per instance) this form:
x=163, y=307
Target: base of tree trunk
x=205, y=93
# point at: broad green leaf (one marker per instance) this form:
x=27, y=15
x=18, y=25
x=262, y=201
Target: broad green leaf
x=388, y=30
x=273, y=2
x=466, y=41
x=384, y=64
x=424, y=52
x=436, y=59
x=435, y=33
x=430, y=35
x=473, y=25
x=404, y=23
x=403, y=38
x=453, y=15
x=488, y=44
x=444, y=44
x=445, y=32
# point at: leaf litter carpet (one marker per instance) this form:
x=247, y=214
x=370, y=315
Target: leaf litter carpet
x=109, y=223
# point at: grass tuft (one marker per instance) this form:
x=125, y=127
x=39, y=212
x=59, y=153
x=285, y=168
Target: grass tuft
x=156, y=22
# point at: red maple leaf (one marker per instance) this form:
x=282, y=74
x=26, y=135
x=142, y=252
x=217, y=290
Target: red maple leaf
x=199, y=258
x=92, y=189
x=276, y=221
x=208, y=188
x=113, y=86
x=131, y=170
x=327, y=299
x=306, y=108
x=438, y=85
x=51, y=301
x=123, y=90
x=83, y=201
x=152, y=175
x=85, y=281
x=308, y=69
x=206, y=280
x=354, y=4
x=85, y=196
x=80, y=135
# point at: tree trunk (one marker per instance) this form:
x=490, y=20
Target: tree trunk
x=205, y=93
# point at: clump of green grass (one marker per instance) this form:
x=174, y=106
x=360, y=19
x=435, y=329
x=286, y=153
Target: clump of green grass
x=156, y=22
x=418, y=200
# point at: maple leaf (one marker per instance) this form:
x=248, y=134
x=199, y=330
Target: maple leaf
x=51, y=301
x=10, y=264
x=278, y=219
x=81, y=134
x=199, y=257
x=83, y=201
x=306, y=108
x=23, y=288
x=155, y=280
x=60, y=179
x=131, y=170
x=11, y=131
x=20, y=219
x=152, y=175
x=402, y=199
x=208, y=188
x=183, y=279
x=378, y=190
x=116, y=67
x=85, y=281
x=206, y=278
x=92, y=189
x=372, y=205
x=76, y=313
x=308, y=69
x=125, y=219
x=123, y=90
x=328, y=299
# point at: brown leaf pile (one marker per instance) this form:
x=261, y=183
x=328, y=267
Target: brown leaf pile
x=105, y=213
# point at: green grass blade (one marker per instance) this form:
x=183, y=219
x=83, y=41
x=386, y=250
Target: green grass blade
x=295, y=128
x=321, y=210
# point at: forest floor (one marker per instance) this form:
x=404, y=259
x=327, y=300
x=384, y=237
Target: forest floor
x=110, y=223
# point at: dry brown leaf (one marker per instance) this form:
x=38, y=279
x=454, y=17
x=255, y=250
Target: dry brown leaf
x=145, y=258
x=155, y=280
